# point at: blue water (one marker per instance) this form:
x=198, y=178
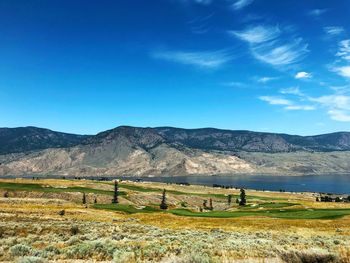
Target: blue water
x=336, y=184
x=339, y=184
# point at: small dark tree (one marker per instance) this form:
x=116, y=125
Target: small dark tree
x=205, y=204
x=62, y=212
x=115, y=195
x=6, y=194
x=348, y=198
x=95, y=200
x=163, y=204
x=84, y=199
x=211, y=204
x=242, y=196
x=317, y=199
x=229, y=199
x=337, y=199
x=237, y=201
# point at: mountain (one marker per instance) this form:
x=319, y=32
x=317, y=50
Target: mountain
x=172, y=151
x=23, y=139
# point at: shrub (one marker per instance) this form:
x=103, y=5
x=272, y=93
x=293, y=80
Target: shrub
x=309, y=256
x=20, y=250
x=61, y=212
x=123, y=256
x=31, y=260
x=74, y=230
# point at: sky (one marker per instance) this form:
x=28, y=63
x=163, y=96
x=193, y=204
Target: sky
x=265, y=65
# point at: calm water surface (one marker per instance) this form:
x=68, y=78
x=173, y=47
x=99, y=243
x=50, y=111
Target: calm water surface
x=339, y=184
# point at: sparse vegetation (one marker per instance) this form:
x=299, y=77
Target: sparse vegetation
x=137, y=230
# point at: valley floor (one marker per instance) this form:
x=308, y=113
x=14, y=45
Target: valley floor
x=45, y=220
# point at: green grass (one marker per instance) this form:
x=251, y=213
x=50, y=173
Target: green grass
x=126, y=208
x=286, y=214
x=174, y=192
x=269, y=205
x=50, y=189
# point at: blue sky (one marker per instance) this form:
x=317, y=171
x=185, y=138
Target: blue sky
x=263, y=65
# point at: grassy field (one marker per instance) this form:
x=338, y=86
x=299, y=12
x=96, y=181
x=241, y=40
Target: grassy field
x=272, y=227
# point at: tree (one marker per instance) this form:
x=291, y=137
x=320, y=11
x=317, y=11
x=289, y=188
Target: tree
x=211, y=204
x=84, y=198
x=115, y=195
x=6, y=194
x=337, y=199
x=95, y=200
x=243, y=200
x=229, y=199
x=205, y=204
x=163, y=204
x=317, y=199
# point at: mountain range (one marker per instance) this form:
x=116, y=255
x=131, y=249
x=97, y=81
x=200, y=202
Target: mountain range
x=170, y=151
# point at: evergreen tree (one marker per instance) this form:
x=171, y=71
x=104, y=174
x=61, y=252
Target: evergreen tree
x=243, y=200
x=229, y=199
x=317, y=199
x=95, y=200
x=163, y=204
x=205, y=204
x=84, y=198
x=115, y=195
x=211, y=204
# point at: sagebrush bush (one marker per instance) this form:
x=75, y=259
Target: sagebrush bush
x=308, y=256
x=123, y=256
x=20, y=250
x=31, y=260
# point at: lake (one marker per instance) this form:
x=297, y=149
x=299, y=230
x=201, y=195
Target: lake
x=339, y=184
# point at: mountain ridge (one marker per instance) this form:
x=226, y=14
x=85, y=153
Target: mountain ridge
x=134, y=151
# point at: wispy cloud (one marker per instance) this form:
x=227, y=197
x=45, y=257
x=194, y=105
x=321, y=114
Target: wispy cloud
x=333, y=30
x=292, y=91
x=235, y=84
x=257, y=34
x=303, y=75
x=339, y=115
x=203, y=59
x=300, y=107
x=274, y=100
x=280, y=54
x=343, y=71
x=267, y=46
x=338, y=106
x=317, y=12
x=239, y=4
x=344, y=49
x=286, y=103
x=266, y=79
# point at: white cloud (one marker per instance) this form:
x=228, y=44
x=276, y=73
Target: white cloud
x=343, y=71
x=273, y=100
x=340, y=102
x=338, y=106
x=266, y=79
x=317, y=12
x=333, y=30
x=257, y=34
x=280, y=54
x=267, y=45
x=235, y=84
x=239, y=4
x=339, y=115
x=300, y=107
x=205, y=59
x=292, y=91
x=303, y=75
x=344, y=49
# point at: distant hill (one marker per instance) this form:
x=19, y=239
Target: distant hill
x=23, y=139
x=170, y=151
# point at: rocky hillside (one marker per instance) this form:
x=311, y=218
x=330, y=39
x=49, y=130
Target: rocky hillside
x=24, y=139
x=172, y=151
